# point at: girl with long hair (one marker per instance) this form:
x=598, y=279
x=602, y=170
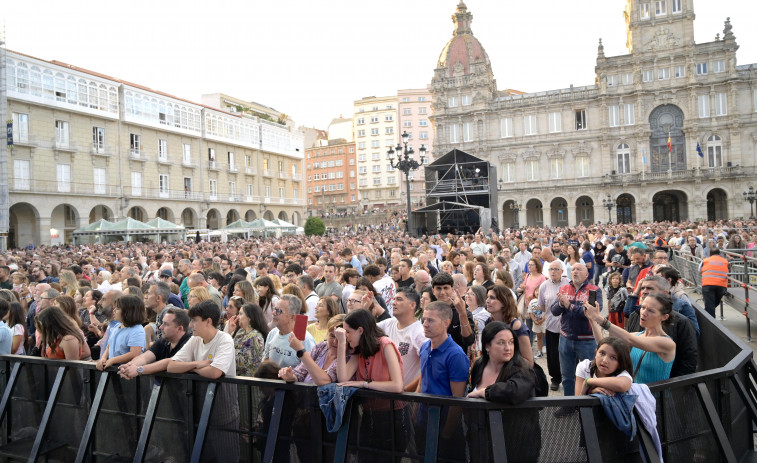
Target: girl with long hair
x=267, y=297
x=325, y=310
x=501, y=305
x=15, y=320
x=249, y=333
x=60, y=338
x=610, y=370
x=68, y=282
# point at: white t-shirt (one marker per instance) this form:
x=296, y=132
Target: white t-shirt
x=409, y=341
x=385, y=287
x=220, y=351
x=311, y=300
x=583, y=370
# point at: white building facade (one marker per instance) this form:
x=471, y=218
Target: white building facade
x=564, y=155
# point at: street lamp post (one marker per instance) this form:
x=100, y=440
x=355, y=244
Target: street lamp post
x=516, y=207
x=608, y=203
x=750, y=196
x=406, y=164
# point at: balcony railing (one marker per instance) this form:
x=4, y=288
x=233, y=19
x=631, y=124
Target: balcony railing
x=163, y=159
x=266, y=200
x=213, y=165
x=233, y=168
x=235, y=199
x=65, y=146
x=157, y=193
x=267, y=173
x=282, y=175
x=136, y=155
x=250, y=171
x=55, y=187
x=297, y=177
x=188, y=163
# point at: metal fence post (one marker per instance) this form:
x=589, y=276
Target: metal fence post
x=745, y=285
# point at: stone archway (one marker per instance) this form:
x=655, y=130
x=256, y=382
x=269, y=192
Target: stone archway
x=625, y=209
x=165, y=214
x=232, y=216
x=717, y=204
x=213, y=219
x=100, y=212
x=268, y=215
x=585, y=210
x=189, y=218
x=250, y=215
x=23, y=226
x=296, y=219
x=670, y=205
x=534, y=213
x=559, y=212
x=509, y=215
x=138, y=213
x=283, y=216
x=63, y=221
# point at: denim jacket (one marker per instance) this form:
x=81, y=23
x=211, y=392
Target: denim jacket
x=333, y=399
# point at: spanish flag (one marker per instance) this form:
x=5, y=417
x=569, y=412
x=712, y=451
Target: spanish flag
x=670, y=145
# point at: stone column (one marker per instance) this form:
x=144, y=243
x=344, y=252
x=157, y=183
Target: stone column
x=522, y=217
x=572, y=222
x=547, y=215
x=44, y=230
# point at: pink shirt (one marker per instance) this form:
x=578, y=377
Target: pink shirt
x=531, y=284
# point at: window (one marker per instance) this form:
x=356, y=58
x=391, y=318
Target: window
x=721, y=106
x=361, y=133
x=614, y=115
x=659, y=8
x=452, y=102
x=21, y=174
x=361, y=145
x=423, y=123
x=230, y=159
x=363, y=169
x=389, y=142
x=612, y=81
x=466, y=100
x=389, y=130
x=393, y=180
x=628, y=114
x=61, y=134
x=645, y=11
x=267, y=163
x=532, y=170
x=352, y=149
x=406, y=99
x=375, y=131
x=582, y=166
x=100, y=180
x=186, y=153
x=388, y=118
x=363, y=182
x=135, y=143
x=556, y=167
x=374, y=119
x=421, y=110
x=362, y=157
x=508, y=172
x=98, y=139
x=467, y=131
x=281, y=192
x=389, y=168
x=704, y=105
x=376, y=168
x=627, y=78
x=163, y=185
x=352, y=185
x=663, y=74
x=361, y=121
x=317, y=176
x=340, y=174
x=338, y=163
x=454, y=133
x=506, y=127
x=375, y=156
x=679, y=71
x=581, y=119
x=421, y=98
x=331, y=175
x=20, y=128
x=162, y=149
x=646, y=75
x=268, y=191
x=407, y=123
x=718, y=66
x=676, y=6
x=377, y=180
x=213, y=189
x=714, y=152
x=136, y=183
x=64, y=178
x=624, y=159
x=555, y=123
x=211, y=155
x=701, y=69
x=529, y=125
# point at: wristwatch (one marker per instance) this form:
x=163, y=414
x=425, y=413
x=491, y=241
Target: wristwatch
x=300, y=353
x=140, y=369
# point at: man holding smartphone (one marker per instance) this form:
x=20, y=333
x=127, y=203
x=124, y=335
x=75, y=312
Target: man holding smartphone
x=277, y=346
x=576, y=338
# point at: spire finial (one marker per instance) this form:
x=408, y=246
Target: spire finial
x=462, y=19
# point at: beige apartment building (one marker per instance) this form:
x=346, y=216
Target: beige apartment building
x=375, y=126
x=576, y=154
x=88, y=146
x=414, y=111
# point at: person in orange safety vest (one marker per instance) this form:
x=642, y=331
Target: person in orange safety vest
x=714, y=271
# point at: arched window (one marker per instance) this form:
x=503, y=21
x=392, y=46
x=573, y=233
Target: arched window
x=714, y=151
x=623, y=155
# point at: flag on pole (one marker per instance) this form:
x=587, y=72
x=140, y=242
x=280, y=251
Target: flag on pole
x=670, y=145
x=643, y=156
x=699, y=150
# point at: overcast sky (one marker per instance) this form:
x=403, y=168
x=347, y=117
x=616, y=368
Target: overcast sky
x=311, y=59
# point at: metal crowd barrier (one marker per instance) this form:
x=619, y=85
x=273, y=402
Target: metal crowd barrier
x=742, y=275
x=68, y=411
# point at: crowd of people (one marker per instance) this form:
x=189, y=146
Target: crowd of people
x=453, y=315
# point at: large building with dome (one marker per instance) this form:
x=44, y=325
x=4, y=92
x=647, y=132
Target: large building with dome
x=626, y=147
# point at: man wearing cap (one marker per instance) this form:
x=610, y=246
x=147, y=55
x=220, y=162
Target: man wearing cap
x=166, y=276
x=617, y=258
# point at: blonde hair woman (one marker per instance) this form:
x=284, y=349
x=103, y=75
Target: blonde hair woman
x=197, y=295
x=68, y=282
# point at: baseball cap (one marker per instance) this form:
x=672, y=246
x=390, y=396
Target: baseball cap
x=166, y=273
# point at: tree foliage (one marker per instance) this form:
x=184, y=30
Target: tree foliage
x=314, y=226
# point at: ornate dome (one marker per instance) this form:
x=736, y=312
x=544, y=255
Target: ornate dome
x=463, y=49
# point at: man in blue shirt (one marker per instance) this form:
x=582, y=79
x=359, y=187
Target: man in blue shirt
x=351, y=259
x=444, y=371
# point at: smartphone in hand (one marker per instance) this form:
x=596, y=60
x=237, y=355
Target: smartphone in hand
x=300, y=326
x=592, y=297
